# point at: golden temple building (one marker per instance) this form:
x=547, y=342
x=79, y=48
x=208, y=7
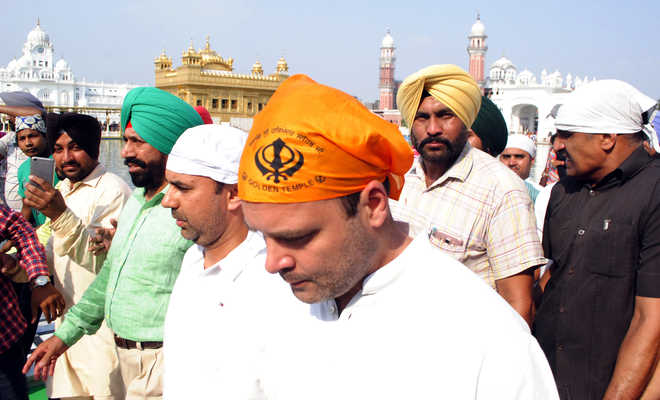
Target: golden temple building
x=206, y=79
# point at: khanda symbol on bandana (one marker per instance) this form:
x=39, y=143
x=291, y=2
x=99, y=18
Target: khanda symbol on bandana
x=277, y=160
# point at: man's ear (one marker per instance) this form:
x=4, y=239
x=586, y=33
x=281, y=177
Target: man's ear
x=375, y=204
x=608, y=141
x=233, y=201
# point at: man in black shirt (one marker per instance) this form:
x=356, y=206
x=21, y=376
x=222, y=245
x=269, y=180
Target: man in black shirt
x=599, y=318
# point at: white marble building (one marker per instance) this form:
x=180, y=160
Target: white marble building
x=525, y=100
x=527, y=103
x=54, y=83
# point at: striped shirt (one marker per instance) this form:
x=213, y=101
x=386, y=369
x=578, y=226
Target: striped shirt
x=479, y=212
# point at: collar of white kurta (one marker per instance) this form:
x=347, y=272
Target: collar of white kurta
x=459, y=170
x=233, y=265
x=390, y=272
x=92, y=180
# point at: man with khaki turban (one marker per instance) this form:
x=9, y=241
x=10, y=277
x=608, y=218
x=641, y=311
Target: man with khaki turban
x=474, y=208
x=315, y=177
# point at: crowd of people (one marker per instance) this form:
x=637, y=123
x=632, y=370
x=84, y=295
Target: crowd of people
x=316, y=257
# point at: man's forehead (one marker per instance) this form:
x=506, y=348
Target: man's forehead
x=514, y=151
x=429, y=102
x=272, y=218
x=129, y=132
x=64, y=139
x=27, y=132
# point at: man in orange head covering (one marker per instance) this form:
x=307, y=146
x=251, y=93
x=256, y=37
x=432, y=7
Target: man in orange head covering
x=473, y=207
x=314, y=177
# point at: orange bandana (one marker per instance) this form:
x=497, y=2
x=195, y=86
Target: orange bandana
x=312, y=142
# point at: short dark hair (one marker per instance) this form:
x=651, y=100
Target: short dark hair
x=218, y=187
x=350, y=201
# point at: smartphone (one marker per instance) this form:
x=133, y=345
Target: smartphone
x=42, y=167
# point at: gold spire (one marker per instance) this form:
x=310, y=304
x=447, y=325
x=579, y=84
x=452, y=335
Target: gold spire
x=257, y=68
x=282, y=66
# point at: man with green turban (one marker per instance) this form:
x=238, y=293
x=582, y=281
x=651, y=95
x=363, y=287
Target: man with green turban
x=489, y=131
x=472, y=206
x=133, y=288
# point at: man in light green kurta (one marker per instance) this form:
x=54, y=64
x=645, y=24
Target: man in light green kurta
x=133, y=287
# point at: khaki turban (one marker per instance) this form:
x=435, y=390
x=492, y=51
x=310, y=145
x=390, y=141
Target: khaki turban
x=312, y=142
x=448, y=84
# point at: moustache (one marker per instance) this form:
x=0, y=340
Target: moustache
x=178, y=216
x=562, y=155
x=70, y=164
x=133, y=160
x=434, y=139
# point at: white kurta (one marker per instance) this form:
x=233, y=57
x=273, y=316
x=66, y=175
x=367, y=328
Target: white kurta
x=215, y=321
x=423, y=327
x=89, y=367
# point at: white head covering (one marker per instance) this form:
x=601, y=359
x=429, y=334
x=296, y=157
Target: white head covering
x=213, y=151
x=607, y=106
x=521, y=142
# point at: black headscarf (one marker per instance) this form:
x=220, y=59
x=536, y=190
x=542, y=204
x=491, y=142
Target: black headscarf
x=83, y=129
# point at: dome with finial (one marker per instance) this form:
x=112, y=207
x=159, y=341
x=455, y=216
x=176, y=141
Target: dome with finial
x=388, y=40
x=478, y=28
x=190, y=56
x=282, y=66
x=61, y=65
x=257, y=68
x=37, y=35
x=163, y=61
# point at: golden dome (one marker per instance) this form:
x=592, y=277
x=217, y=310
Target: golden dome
x=163, y=61
x=257, y=68
x=282, y=66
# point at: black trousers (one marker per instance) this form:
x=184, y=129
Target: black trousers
x=13, y=385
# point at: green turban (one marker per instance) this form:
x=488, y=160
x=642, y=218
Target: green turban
x=491, y=127
x=157, y=116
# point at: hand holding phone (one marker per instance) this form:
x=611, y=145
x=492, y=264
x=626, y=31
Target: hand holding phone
x=42, y=167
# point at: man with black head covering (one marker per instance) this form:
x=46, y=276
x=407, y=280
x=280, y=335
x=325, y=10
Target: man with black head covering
x=132, y=290
x=88, y=198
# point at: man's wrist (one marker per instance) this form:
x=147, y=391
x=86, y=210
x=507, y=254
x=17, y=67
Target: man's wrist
x=40, y=281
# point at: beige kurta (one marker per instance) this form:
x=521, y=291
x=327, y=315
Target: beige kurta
x=90, y=367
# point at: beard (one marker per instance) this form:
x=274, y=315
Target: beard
x=447, y=157
x=151, y=177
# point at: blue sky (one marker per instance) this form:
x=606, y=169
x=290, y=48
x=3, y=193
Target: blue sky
x=337, y=42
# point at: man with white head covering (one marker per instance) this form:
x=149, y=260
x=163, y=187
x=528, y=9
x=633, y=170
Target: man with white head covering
x=221, y=273
x=519, y=154
x=476, y=209
x=599, y=317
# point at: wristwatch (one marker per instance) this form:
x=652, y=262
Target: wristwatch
x=40, y=281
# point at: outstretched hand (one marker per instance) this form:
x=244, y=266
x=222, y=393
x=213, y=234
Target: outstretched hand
x=101, y=241
x=44, y=358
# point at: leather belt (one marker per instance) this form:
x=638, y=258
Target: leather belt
x=130, y=344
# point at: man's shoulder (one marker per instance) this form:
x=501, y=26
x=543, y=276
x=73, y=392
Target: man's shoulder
x=491, y=171
x=113, y=183
x=442, y=280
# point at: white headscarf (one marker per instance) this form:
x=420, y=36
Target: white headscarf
x=213, y=151
x=521, y=142
x=607, y=106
